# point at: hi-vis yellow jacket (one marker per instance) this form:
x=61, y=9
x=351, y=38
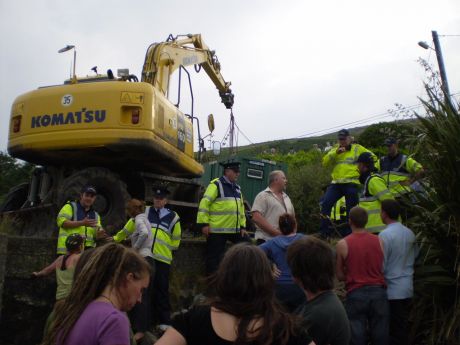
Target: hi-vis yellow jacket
x=166, y=232
x=374, y=192
x=74, y=211
x=222, y=207
x=345, y=170
x=397, y=170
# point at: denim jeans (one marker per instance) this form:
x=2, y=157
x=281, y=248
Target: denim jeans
x=367, y=309
x=333, y=193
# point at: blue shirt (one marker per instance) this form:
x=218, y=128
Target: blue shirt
x=400, y=251
x=276, y=251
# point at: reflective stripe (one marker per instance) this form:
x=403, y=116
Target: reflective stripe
x=173, y=224
x=346, y=180
x=74, y=210
x=160, y=227
x=207, y=197
x=63, y=235
x=175, y=238
x=373, y=211
x=377, y=228
x=227, y=198
x=162, y=258
x=347, y=161
x=221, y=188
x=368, y=199
x=221, y=213
x=126, y=231
x=396, y=173
x=65, y=215
x=61, y=250
x=385, y=191
x=202, y=210
x=160, y=241
x=224, y=229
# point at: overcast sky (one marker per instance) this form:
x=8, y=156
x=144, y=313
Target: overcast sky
x=296, y=67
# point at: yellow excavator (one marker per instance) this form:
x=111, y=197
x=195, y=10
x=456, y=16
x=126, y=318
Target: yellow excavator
x=117, y=133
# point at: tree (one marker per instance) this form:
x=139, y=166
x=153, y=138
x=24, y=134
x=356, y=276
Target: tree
x=13, y=173
x=373, y=137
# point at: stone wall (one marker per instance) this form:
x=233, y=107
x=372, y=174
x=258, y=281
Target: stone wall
x=26, y=302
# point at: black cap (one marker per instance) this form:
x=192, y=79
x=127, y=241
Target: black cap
x=73, y=241
x=343, y=133
x=234, y=165
x=160, y=192
x=89, y=190
x=390, y=141
x=365, y=157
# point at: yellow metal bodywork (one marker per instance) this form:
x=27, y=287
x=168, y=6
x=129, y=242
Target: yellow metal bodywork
x=90, y=121
x=93, y=122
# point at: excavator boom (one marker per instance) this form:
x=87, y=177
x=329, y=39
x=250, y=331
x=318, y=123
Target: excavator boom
x=163, y=59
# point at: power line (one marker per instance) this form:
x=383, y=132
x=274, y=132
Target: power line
x=244, y=135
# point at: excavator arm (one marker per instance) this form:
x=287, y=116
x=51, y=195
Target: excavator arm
x=163, y=59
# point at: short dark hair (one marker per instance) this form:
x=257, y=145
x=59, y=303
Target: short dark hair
x=312, y=262
x=358, y=216
x=391, y=208
x=287, y=223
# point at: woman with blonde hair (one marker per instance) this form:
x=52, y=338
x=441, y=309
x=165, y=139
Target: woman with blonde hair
x=109, y=284
x=244, y=310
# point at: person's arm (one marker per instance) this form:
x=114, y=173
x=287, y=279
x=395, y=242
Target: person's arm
x=176, y=234
x=379, y=189
x=70, y=224
x=330, y=157
x=127, y=230
x=171, y=337
x=203, y=218
x=342, y=253
x=48, y=269
x=415, y=168
x=262, y=223
x=142, y=231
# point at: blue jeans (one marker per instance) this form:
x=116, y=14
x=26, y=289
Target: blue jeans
x=367, y=308
x=333, y=193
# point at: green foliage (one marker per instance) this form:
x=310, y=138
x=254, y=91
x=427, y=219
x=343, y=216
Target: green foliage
x=306, y=177
x=13, y=173
x=437, y=223
x=373, y=137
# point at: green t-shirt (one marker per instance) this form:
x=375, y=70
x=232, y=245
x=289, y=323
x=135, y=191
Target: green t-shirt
x=325, y=320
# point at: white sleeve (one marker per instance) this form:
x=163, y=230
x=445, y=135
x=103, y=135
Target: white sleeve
x=142, y=230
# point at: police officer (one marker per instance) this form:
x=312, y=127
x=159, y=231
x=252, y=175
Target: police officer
x=166, y=232
x=399, y=170
x=374, y=192
x=79, y=217
x=221, y=215
x=345, y=179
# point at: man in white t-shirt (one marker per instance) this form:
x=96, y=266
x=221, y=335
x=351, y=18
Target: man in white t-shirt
x=269, y=205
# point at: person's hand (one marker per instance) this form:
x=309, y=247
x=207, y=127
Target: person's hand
x=205, y=230
x=276, y=271
x=340, y=149
x=277, y=233
x=35, y=274
x=89, y=222
x=244, y=233
x=101, y=234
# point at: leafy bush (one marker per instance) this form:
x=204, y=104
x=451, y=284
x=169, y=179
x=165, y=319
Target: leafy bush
x=436, y=313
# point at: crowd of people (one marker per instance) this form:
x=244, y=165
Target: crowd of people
x=276, y=288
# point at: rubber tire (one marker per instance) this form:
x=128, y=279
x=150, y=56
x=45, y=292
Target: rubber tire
x=112, y=193
x=15, y=198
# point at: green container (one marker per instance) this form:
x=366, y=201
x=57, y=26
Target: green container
x=253, y=177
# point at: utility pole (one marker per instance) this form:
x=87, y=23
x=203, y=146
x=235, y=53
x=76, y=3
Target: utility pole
x=442, y=69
